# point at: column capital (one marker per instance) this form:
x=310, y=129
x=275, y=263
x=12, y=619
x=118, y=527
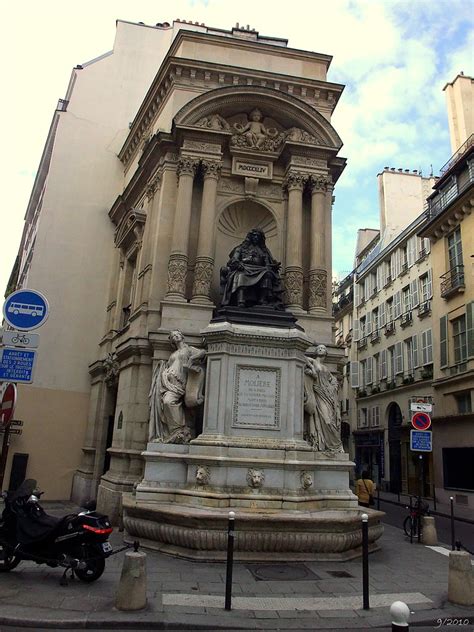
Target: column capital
x=295, y=180
x=320, y=184
x=186, y=166
x=211, y=169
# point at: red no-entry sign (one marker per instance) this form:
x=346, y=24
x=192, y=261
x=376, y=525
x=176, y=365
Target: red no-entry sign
x=7, y=407
x=421, y=421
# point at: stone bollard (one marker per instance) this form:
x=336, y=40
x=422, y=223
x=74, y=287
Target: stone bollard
x=460, y=579
x=131, y=594
x=429, y=535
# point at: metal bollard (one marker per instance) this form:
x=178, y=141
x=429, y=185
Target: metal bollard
x=453, y=537
x=230, y=560
x=378, y=498
x=400, y=614
x=365, y=561
x=411, y=521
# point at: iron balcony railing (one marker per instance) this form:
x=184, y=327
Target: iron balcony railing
x=452, y=281
x=455, y=157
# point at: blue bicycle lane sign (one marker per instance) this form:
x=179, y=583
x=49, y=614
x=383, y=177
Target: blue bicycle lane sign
x=26, y=309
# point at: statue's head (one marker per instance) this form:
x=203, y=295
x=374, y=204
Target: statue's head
x=255, y=478
x=256, y=236
x=255, y=115
x=175, y=337
x=321, y=351
x=203, y=475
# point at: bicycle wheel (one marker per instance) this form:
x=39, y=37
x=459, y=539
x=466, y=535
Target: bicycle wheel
x=410, y=524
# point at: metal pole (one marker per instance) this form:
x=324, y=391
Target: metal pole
x=365, y=561
x=453, y=537
x=3, y=457
x=420, y=494
x=230, y=560
x=411, y=520
x=378, y=497
x=434, y=496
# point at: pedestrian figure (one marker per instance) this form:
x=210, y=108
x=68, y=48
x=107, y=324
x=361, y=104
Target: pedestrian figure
x=365, y=489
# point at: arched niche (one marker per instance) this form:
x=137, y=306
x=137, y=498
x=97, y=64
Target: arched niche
x=233, y=223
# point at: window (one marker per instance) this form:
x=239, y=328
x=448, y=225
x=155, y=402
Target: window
x=389, y=310
x=391, y=362
x=406, y=299
x=457, y=468
x=426, y=287
x=383, y=365
x=414, y=293
x=375, y=416
x=368, y=367
x=376, y=367
x=414, y=346
x=395, y=265
x=382, y=320
x=455, y=249
x=463, y=401
x=362, y=328
x=354, y=369
x=459, y=339
x=409, y=355
x=411, y=251
x=426, y=347
x=363, y=418
x=399, y=358
x=375, y=319
x=397, y=305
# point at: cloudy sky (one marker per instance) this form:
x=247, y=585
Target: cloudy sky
x=393, y=56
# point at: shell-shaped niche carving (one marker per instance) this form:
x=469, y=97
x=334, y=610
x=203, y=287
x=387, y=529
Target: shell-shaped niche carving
x=239, y=218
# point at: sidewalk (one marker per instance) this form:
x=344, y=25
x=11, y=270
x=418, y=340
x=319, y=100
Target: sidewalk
x=442, y=508
x=185, y=595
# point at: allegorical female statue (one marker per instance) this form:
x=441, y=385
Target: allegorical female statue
x=252, y=275
x=322, y=415
x=177, y=386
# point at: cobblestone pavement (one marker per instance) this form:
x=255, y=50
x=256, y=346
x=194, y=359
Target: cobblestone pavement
x=185, y=595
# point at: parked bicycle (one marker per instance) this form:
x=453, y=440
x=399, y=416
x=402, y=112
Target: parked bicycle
x=412, y=523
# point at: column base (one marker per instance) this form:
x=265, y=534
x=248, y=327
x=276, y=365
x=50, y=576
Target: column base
x=202, y=300
x=175, y=298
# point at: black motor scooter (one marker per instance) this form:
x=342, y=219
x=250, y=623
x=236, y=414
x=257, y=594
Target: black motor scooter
x=77, y=542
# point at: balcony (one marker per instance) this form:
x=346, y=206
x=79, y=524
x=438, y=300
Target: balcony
x=390, y=328
x=452, y=282
x=375, y=336
x=422, y=255
x=362, y=343
x=424, y=309
x=406, y=319
x=404, y=269
x=388, y=281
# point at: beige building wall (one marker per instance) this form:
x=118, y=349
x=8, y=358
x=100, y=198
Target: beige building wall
x=67, y=249
x=460, y=106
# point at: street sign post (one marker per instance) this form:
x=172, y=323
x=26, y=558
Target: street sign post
x=421, y=441
x=7, y=408
x=17, y=365
x=25, y=309
x=419, y=407
x=15, y=338
x=421, y=421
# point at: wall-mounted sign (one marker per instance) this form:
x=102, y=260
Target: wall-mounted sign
x=251, y=169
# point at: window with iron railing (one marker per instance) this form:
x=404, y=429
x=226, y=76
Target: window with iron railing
x=452, y=281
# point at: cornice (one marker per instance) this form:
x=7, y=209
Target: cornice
x=205, y=76
x=450, y=217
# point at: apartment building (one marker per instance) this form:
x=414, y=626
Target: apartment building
x=450, y=227
x=391, y=354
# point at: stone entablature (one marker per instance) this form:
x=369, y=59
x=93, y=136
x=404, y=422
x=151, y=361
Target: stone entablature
x=178, y=73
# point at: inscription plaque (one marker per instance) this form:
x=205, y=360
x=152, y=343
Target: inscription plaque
x=253, y=169
x=257, y=398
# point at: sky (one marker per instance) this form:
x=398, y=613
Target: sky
x=394, y=57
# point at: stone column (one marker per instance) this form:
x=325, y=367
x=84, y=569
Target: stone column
x=318, y=273
x=294, y=242
x=205, y=251
x=178, y=261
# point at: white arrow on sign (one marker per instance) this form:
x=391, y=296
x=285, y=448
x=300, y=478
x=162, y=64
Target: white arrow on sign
x=416, y=407
x=22, y=339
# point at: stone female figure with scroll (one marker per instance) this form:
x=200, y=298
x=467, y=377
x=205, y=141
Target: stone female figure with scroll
x=177, y=386
x=322, y=415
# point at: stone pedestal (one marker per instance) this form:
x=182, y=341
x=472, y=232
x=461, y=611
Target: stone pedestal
x=251, y=457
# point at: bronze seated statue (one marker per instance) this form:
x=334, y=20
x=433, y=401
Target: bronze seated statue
x=251, y=276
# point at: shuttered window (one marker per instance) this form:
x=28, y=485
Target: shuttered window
x=426, y=347
x=414, y=345
x=414, y=293
x=354, y=374
x=443, y=341
x=470, y=329
x=399, y=358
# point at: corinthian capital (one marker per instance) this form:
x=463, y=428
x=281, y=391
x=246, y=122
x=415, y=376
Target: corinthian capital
x=320, y=183
x=186, y=166
x=295, y=180
x=211, y=168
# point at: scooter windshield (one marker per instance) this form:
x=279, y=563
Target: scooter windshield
x=25, y=490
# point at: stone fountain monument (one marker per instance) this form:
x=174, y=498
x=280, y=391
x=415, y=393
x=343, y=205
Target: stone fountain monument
x=248, y=423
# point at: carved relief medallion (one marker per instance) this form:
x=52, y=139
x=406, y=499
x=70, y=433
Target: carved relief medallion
x=255, y=478
x=203, y=475
x=306, y=480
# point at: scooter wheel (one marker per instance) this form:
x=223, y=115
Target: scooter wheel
x=92, y=566
x=8, y=561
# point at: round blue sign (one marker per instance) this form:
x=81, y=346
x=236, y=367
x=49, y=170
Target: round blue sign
x=26, y=309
